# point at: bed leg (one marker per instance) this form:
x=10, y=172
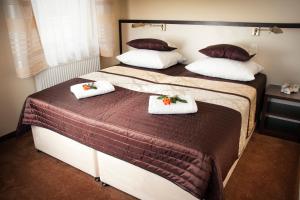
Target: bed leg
x=104, y=184
x=97, y=179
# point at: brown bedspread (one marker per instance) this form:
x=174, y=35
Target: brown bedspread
x=179, y=70
x=194, y=151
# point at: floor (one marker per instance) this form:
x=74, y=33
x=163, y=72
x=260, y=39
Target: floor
x=267, y=170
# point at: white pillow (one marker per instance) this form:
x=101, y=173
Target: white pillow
x=150, y=58
x=225, y=68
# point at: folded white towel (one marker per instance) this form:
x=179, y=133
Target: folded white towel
x=102, y=88
x=156, y=106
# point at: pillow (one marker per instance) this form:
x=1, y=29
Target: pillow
x=151, y=44
x=150, y=58
x=226, y=51
x=225, y=68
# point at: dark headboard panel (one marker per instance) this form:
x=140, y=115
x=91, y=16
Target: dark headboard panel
x=209, y=23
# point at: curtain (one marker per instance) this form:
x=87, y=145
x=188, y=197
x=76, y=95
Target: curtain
x=106, y=20
x=67, y=28
x=24, y=39
x=59, y=32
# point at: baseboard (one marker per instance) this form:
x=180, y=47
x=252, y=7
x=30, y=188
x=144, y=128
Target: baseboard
x=23, y=130
x=8, y=136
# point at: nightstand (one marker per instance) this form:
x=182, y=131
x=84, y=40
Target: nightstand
x=280, y=115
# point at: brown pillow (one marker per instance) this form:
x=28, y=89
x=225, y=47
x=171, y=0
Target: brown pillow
x=227, y=51
x=151, y=44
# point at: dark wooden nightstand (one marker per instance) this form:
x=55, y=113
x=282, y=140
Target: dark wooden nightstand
x=281, y=114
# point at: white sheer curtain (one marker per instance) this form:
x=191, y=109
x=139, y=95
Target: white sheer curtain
x=67, y=28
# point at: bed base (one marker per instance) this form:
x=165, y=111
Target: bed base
x=109, y=170
x=97, y=179
x=65, y=149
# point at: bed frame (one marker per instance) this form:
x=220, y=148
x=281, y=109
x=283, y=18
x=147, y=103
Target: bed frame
x=111, y=171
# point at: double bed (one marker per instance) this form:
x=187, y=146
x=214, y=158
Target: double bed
x=113, y=137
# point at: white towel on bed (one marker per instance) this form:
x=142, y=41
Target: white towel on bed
x=103, y=87
x=156, y=106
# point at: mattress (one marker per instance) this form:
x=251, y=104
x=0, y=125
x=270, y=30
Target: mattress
x=193, y=151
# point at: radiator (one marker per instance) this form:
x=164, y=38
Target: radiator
x=61, y=73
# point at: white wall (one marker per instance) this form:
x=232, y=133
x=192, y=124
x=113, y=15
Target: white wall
x=216, y=10
x=279, y=54
x=13, y=90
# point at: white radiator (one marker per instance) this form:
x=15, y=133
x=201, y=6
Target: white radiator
x=61, y=73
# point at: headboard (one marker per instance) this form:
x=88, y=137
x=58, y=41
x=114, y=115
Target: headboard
x=208, y=23
x=278, y=53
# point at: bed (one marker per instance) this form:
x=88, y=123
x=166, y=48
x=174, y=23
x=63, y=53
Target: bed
x=148, y=156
